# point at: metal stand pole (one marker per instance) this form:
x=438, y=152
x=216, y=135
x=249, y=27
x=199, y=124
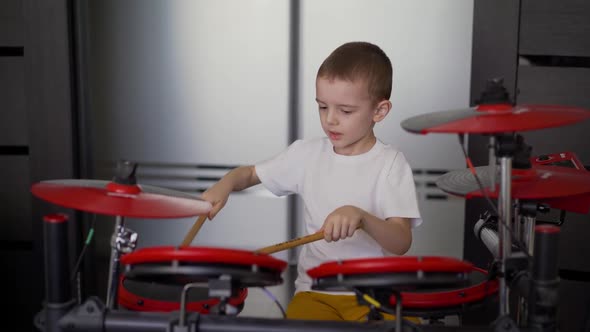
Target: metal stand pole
x=183, y=299
x=492, y=163
x=398, y=311
x=92, y=317
x=528, y=236
x=543, y=298
x=116, y=249
x=517, y=224
x=123, y=241
x=518, y=232
x=113, y=282
x=504, y=214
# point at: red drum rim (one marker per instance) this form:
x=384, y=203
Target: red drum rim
x=391, y=265
x=203, y=255
x=135, y=302
x=448, y=298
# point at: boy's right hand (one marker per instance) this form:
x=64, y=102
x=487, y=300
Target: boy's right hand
x=235, y=180
x=217, y=195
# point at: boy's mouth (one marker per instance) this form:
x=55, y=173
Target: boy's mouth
x=334, y=136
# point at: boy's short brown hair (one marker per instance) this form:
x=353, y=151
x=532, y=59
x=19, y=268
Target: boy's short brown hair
x=360, y=60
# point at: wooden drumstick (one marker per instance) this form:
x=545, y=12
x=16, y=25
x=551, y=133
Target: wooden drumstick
x=291, y=243
x=193, y=231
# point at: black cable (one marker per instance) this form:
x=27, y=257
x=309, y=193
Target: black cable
x=275, y=300
x=83, y=251
x=386, y=310
x=561, y=218
x=479, y=184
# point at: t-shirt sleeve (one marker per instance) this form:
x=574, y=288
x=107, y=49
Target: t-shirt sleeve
x=399, y=198
x=283, y=174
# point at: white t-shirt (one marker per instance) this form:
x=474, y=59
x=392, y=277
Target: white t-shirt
x=379, y=181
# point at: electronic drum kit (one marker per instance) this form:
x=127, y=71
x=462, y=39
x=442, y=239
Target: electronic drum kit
x=193, y=288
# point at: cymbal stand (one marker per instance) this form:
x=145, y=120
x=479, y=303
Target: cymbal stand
x=492, y=162
x=517, y=219
x=123, y=241
x=510, y=149
x=527, y=216
x=524, y=222
x=528, y=211
x=504, y=151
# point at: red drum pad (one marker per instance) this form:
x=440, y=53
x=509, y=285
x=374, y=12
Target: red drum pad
x=180, y=266
x=551, y=184
x=387, y=273
x=437, y=303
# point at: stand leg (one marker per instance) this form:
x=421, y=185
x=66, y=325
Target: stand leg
x=57, y=277
x=543, y=296
x=527, y=238
x=398, y=311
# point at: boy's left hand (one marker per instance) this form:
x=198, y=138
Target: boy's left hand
x=342, y=223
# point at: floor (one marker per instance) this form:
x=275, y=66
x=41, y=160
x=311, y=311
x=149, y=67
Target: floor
x=261, y=303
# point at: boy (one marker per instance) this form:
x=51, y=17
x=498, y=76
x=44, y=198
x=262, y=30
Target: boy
x=347, y=180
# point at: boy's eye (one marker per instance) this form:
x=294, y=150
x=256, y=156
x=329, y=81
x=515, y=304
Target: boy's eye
x=322, y=107
x=346, y=112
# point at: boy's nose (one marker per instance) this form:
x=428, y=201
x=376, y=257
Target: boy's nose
x=331, y=117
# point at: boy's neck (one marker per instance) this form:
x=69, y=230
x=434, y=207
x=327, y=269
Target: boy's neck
x=365, y=146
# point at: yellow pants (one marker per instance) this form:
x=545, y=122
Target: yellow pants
x=319, y=306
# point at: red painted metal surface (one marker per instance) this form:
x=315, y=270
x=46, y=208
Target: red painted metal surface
x=119, y=200
x=390, y=265
x=203, y=255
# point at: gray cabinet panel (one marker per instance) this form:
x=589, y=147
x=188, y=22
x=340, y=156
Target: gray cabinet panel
x=15, y=198
x=574, y=246
x=13, y=120
x=17, y=268
x=557, y=86
x=495, y=43
x=555, y=27
x=574, y=306
x=11, y=23
x=561, y=86
x=554, y=85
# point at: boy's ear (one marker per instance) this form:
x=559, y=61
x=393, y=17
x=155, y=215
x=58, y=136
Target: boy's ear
x=381, y=111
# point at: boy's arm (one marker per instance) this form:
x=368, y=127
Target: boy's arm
x=393, y=234
x=238, y=179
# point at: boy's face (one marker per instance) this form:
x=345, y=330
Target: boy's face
x=348, y=114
